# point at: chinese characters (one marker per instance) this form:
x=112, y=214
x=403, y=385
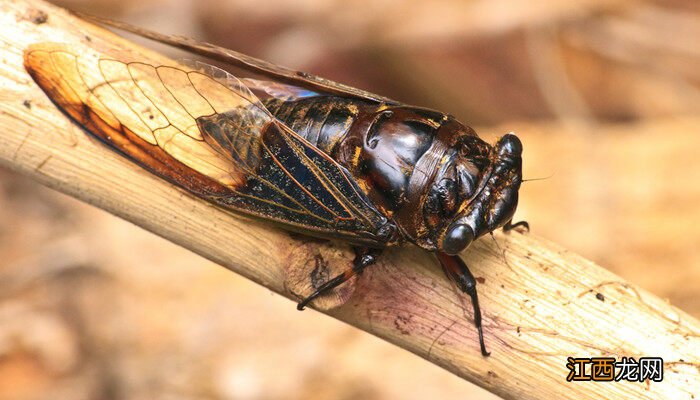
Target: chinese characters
x=602, y=369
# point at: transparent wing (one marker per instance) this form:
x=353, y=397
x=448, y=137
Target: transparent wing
x=204, y=130
x=271, y=72
x=278, y=90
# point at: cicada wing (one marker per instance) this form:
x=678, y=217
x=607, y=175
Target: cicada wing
x=205, y=131
x=128, y=109
x=295, y=81
x=278, y=90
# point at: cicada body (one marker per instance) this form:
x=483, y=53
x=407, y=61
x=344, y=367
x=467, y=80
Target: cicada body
x=311, y=155
x=434, y=178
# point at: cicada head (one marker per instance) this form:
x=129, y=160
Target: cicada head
x=475, y=191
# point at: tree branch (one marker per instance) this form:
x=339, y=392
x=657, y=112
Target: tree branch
x=541, y=303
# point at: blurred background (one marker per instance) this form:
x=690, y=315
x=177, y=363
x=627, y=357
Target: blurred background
x=605, y=95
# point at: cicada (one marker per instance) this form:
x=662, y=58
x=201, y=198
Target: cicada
x=311, y=155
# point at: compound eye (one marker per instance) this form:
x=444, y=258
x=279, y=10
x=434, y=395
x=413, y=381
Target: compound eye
x=457, y=239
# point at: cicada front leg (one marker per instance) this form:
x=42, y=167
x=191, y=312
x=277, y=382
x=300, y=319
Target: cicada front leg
x=509, y=226
x=457, y=271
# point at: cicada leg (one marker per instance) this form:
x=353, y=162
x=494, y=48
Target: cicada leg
x=458, y=272
x=364, y=257
x=509, y=226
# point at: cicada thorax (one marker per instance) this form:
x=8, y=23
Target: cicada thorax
x=410, y=161
x=402, y=157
